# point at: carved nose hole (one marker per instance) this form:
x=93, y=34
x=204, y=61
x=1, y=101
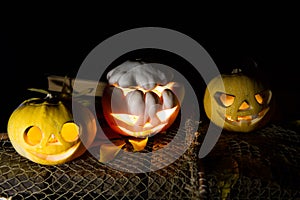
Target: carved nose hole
x=53, y=140
x=244, y=106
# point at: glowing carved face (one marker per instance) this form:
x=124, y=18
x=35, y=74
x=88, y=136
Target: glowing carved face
x=45, y=132
x=243, y=106
x=138, y=112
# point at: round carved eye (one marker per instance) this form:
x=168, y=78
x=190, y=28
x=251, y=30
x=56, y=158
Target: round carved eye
x=224, y=99
x=33, y=135
x=70, y=132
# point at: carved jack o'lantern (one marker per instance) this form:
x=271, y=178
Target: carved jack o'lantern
x=243, y=105
x=139, y=100
x=44, y=131
x=138, y=112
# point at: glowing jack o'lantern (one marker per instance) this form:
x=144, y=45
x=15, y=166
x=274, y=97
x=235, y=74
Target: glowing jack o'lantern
x=138, y=112
x=243, y=105
x=44, y=131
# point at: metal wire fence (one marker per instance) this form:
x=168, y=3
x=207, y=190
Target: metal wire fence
x=261, y=165
x=87, y=178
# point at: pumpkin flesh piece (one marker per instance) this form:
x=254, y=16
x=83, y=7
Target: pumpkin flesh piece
x=109, y=151
x=138, y=144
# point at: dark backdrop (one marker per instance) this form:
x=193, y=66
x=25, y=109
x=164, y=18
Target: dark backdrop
x=30, y=52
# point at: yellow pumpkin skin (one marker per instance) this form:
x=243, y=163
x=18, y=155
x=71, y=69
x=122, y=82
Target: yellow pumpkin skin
x=237, y=117
x=49, y=117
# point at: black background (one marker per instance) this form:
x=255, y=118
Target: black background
x=34, y=47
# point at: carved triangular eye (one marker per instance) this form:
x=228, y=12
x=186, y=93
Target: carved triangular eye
x=264, y=97
x=33, y=135
x=224, y=99
x=259, y=98
x=70, y=132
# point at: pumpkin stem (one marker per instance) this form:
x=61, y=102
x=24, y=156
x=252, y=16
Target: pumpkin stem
x=39, y=90
x=49, y=95
x=236, y=71
x=66, y=92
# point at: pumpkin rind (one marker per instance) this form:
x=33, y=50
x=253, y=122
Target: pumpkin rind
x=247, y=112
x=49, y=117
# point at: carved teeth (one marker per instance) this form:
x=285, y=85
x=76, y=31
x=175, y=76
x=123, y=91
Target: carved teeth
x=152, y=106
x=168, y=99
x=117, y=94
x=248, y=119
x=245, y=118
x=136, y=105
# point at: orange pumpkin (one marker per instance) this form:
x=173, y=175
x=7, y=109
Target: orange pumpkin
x=137, y=112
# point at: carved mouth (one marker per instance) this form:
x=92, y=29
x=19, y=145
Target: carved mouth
x=247, y=119
x=144, y=133
x=56, y=157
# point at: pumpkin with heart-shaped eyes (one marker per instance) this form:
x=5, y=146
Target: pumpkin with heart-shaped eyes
x=44, y=131
x=238, y=102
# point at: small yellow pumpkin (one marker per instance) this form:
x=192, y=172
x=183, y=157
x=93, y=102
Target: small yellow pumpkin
x=44, y=131
x=242, y=105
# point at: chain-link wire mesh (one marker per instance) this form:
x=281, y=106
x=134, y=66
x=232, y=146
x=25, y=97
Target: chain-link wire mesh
x=260, y=165
x=87, y=178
